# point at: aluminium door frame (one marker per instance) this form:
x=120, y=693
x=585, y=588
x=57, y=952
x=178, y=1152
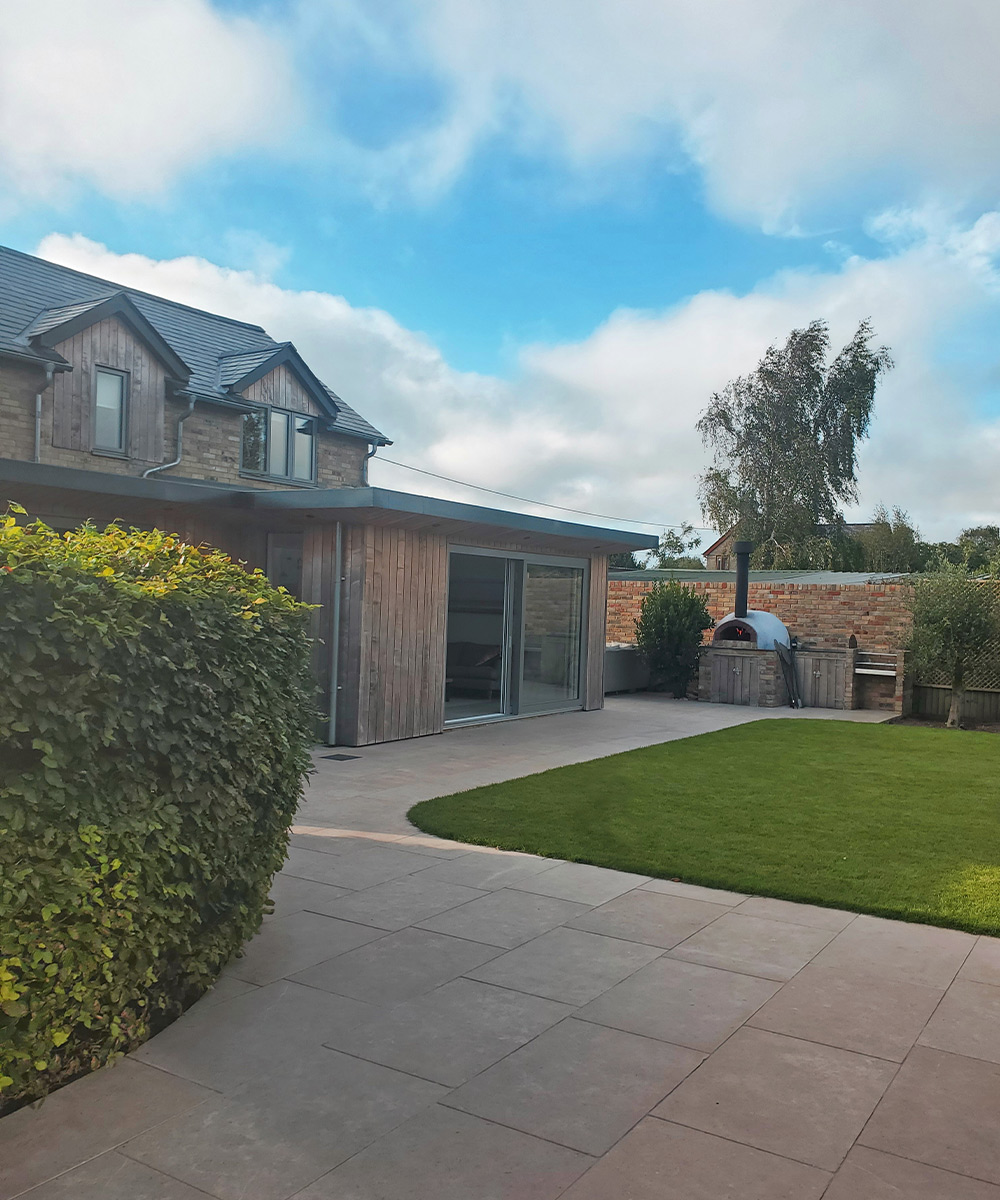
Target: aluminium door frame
x=523, y=557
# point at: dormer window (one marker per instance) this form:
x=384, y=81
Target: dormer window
x=110, y=402
x=280, y=444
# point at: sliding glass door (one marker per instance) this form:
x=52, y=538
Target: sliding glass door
x=516, y=634
x=553, y=636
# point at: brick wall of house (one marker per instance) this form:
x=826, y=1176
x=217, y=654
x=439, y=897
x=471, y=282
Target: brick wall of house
x=821, y=616
x=18, y=387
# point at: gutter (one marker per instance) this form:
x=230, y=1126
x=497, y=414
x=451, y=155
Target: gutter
x=364, y=465
x=180, y=443
x=338, y=579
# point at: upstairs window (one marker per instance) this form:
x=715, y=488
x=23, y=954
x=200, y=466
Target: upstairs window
x=279, y=443
x=110, y=399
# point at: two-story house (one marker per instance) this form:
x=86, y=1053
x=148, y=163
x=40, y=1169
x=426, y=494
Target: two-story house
x=119, y=405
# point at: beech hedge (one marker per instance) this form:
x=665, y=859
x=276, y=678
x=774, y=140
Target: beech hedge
x=155, y=717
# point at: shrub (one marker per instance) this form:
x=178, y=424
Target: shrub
x=154, y=725
x=668, y=633
x=955, y=617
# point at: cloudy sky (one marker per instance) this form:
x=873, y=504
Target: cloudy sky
x=529, y=240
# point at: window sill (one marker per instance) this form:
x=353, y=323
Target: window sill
x=123, y=454
x=282, y=479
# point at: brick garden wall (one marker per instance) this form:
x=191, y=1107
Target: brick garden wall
x=820, y=615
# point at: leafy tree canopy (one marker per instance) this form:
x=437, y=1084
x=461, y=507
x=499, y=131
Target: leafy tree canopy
x=674, y=550
x=785, y=440
x=954, y=617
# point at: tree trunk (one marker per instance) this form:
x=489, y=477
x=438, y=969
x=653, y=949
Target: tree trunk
x=957, y=699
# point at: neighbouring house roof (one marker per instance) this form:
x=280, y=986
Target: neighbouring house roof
x=719, y=542
x=832, y=578
x=363, y=505
x=209, y=354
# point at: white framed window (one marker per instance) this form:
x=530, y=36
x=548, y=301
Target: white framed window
x=110, y=410
x=279, y=443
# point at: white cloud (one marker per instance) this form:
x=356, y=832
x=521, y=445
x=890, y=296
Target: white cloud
x=124, y=95
x=786, y=106
x=607, y=424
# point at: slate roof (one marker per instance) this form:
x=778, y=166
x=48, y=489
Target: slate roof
x=37, y=296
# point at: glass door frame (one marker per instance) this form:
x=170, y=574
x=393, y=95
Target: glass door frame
x=513, y=642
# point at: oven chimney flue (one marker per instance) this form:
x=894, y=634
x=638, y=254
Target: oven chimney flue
x=742, y=551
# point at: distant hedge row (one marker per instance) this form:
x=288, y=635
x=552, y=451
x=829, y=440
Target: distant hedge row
x=155, y=714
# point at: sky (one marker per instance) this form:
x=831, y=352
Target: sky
x=529, y=241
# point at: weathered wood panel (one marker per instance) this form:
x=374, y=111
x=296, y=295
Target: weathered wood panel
x=981, y=707
x=109, y=343
x=281, y=389
x=822, y=679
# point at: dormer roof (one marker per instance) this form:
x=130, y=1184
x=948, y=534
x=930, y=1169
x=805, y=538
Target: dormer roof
x=42, y=303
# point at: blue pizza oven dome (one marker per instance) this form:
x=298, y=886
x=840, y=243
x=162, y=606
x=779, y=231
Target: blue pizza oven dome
x=761, y=630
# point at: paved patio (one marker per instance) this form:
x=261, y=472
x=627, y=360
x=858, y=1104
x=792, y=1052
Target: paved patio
x=424, y=1021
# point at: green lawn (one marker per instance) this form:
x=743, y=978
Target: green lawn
x=895, y=820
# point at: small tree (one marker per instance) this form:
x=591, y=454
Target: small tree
x=954, y=616
x=674, y=550
x=668, y=633
x=623, y=560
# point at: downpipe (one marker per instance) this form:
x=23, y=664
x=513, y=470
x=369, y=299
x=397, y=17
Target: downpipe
x=38, y=412
x=338, y=580
x=180, y=446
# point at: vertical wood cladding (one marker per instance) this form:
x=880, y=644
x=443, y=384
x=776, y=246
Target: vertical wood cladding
x=393, y=615
x=109, y=343
x=281, y=389
x=393, y=630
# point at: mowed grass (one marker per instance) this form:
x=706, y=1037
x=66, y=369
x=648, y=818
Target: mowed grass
x=893, y=820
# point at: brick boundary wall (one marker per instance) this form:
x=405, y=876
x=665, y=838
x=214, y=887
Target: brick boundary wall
x=822, y=616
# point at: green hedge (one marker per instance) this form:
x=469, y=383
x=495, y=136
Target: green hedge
x=155, y=716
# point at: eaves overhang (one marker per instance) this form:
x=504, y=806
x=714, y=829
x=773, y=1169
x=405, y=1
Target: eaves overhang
x=385, y=505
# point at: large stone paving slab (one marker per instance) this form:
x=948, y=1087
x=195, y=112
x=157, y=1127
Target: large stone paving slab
x=398, y=967
x=400, y=902
x=567, y=965
x=794, y=1098
x=271, y=1138
x=882, y=1017
x=447, y=1155
x=113, y=1176
x=293, y=943
x=505, y=918
x=967, y=1021
x=578, y=1084
x=254, y=1036
x=681, y=1002
x=452, y=1033
x=872, y=1175
x=920, y=954
x=643, y=916
x=89, y=1117
x=580, y=882
x=754, y=945
x=662, y=1161
x=488, y=870
x=942, y=1110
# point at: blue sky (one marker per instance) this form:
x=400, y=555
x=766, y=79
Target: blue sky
x=530, y=241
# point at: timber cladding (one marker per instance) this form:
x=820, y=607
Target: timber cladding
x=821, y=616
x=393, y=626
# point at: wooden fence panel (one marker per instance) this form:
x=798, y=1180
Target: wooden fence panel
x=982, y=707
